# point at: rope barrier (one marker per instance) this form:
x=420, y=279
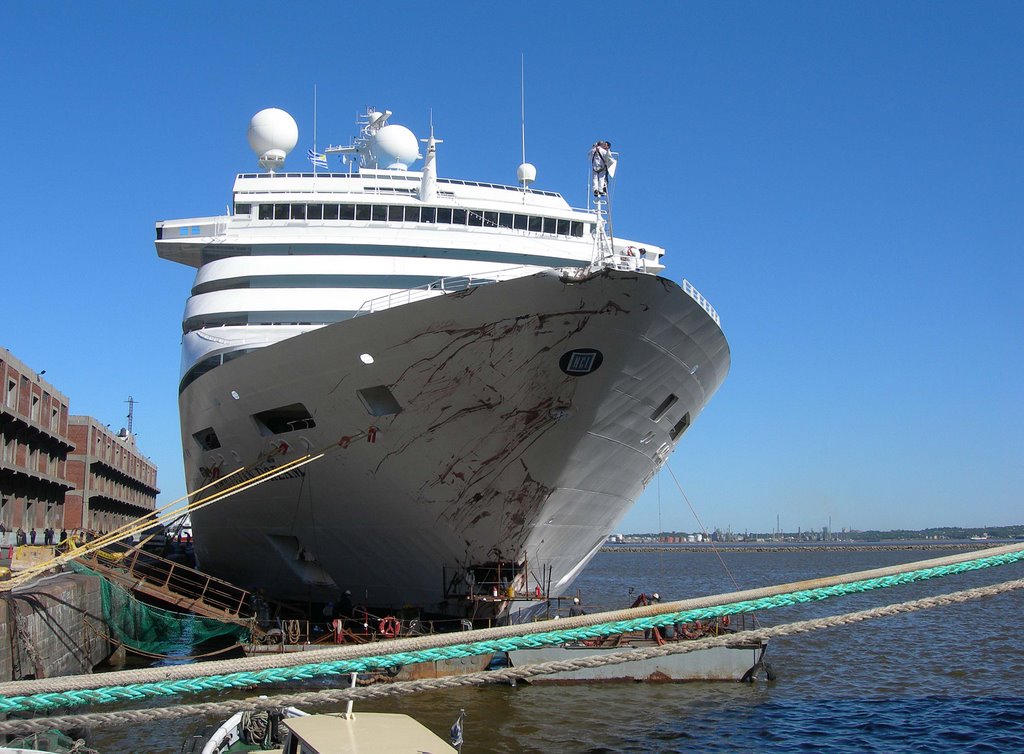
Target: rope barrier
x=142, y=684
x=314, y=698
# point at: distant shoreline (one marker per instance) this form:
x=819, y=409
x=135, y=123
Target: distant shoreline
x=769, y=547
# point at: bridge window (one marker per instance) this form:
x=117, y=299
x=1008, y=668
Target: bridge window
x=412, y=214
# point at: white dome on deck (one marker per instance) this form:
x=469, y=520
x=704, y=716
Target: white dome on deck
x=273, y=133
x=526, y=173
x=395, y=147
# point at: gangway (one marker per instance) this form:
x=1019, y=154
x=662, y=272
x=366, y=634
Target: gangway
x=174, y=584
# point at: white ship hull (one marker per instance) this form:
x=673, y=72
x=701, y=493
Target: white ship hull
x=497, y=454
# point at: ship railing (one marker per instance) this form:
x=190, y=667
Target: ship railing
x=441, y=287
x=703, y=302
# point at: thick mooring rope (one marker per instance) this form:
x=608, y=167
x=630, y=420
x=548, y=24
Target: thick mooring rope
x=314, y=698
x=141, y=684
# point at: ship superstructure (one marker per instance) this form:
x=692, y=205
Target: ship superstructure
x=502, y=375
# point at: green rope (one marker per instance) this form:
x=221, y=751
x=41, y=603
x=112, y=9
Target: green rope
x=137, y=692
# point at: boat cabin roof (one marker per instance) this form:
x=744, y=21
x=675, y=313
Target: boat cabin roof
x=361, y=732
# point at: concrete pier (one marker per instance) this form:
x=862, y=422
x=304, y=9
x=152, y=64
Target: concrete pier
x=51, y=627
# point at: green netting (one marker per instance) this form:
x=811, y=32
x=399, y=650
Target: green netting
x=151, y=629
x=49, y=741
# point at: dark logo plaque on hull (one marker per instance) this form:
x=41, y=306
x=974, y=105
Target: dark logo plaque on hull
x=580, y=361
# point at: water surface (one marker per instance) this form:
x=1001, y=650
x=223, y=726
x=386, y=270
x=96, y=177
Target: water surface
x=949, y=679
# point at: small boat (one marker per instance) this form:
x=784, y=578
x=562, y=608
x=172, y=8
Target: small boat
x=296, y=731
x=365, y=732
x=244, y=731
x=290, y=730
x=714, y=664
x=742, y=662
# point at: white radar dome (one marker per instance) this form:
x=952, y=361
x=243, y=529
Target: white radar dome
x=526, y=174
x=273, y=133
x=395, y=147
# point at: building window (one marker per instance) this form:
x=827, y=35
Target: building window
x=12, y=394
x=35, y=408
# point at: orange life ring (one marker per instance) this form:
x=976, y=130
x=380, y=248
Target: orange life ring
x=389, y=626
x=725, y=620
x=693, y=630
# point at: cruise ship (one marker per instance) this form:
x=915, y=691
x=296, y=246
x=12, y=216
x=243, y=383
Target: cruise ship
x=486, y=376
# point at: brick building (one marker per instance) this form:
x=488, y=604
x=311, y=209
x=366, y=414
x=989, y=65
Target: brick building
x=34, y=447
x=62, y=471
x=113, y=482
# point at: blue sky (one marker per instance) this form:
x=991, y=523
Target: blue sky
x=844, y=182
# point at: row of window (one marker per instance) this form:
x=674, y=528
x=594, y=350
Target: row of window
x=11, y=401
x=402, y=213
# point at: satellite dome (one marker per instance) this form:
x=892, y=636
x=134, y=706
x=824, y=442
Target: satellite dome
x=395, y=147
x=526, y=174
x=272, y=135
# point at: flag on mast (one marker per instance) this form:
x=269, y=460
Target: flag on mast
x=319, y=160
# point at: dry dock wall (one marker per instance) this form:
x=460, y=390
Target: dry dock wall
x=52, y=627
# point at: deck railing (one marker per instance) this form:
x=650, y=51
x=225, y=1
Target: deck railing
x=442, y=286
x=704, y=303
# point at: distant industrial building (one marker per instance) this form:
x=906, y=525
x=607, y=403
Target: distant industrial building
x=113, y=482
x=61, y=471
x=33, y=459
